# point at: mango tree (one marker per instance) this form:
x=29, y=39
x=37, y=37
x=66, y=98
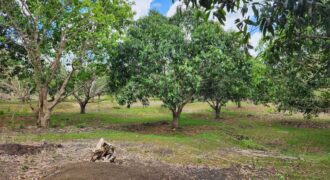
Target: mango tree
x=225, y=69
x=55, y=33
x=161, y=63
x=89, y=83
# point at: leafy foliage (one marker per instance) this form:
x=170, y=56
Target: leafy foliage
x=301, y=76
x=160, y=63
x=296, y=48
x=58, y=34
x=225, y=69
x=132, y=93
x=269, y=15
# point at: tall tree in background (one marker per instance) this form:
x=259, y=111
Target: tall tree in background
x=225, y=69
x=54, y=33
x=297, y=42
x=160, y=63
x=262, y=87
x=89, y=83
x=131, y=93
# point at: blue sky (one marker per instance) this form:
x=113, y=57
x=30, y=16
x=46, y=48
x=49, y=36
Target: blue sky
x=142, y=7
x=161, y=6
x=168, y=8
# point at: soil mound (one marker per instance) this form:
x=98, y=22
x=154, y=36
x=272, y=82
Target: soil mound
x=19, y=149
x=138, y=171
x=111, y=171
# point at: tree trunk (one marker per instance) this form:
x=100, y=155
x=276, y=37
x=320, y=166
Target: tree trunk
x=175, y=122
x=128, y=106
x=239, y=104
x=23, y=99
x=217, y=109
x=176, y=117
x=43, y=112
x=217, y=113
x=45, y=119
x=83, y=107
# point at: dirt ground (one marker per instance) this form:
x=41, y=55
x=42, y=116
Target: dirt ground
x=140, y=171
x=70, y=160
x=306, y=124
x=19, y=149
x=105, y=170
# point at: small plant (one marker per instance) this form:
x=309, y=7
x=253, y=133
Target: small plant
x=199, y=160
x=2, y=112
x=62, y=125
x=25, y=110
x=272, y=110
x=25, y=168
x=280, y=176
x=249, y=143
x=81, y=125
x=53, y=125
x=21, y=125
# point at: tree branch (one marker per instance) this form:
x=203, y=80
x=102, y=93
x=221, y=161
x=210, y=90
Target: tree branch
x=60, y=93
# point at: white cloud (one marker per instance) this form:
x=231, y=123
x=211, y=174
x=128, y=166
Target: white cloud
x=254, y=41
x=141, y=8
x=230, y=21
x=174, y=7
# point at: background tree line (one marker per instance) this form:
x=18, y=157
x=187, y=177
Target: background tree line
x=55, y=49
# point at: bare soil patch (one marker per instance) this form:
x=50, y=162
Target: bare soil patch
x=144, y=126
x=306, y=124
x=19, y=149
x=5, y=168
x=73, y=162
x=161, y=127
x=138, y=171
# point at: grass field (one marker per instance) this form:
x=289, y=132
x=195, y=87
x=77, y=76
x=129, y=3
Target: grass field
x=254, y=134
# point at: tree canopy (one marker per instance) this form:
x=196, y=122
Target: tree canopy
x=58, y=33
x=225, y=69
x=179, y=59
x=296, y=43
x=161, y=63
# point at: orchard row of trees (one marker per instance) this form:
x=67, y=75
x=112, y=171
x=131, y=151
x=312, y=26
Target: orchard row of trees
x=181, y=59
x=83, y=49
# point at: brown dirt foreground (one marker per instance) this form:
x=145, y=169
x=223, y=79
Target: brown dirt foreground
x=104, y=170
x=138, y=171
x=135, y=160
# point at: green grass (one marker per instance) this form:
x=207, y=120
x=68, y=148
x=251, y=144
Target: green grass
x=200, y=138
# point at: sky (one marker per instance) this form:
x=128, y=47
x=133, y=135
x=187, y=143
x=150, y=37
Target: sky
x=168, y=8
